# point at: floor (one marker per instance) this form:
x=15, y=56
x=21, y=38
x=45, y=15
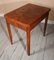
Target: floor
x=42, y=48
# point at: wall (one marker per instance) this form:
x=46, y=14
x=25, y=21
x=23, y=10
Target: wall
x=9, y=5
x=47, y=3
x=8, y=1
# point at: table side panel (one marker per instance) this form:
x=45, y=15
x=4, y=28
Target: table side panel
x=17, y=23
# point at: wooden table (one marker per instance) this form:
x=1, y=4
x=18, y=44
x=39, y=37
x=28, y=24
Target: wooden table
x=26, y=18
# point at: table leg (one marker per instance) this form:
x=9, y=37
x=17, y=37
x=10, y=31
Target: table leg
x=45, y=26
x=28, y=43
x=9, y=31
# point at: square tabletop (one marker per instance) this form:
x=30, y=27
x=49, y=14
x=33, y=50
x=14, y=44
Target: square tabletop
x=28, y=14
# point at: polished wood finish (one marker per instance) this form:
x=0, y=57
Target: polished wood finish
x=10, y=34
x=26, y=18
x=46, y=19
x=28, y=42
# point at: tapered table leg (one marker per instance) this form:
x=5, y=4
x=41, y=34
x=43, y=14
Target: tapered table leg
x=45, y=26
x=9, y=31
x=28, y=43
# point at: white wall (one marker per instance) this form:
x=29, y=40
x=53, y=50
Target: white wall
x=9, y=5
x=9, y=1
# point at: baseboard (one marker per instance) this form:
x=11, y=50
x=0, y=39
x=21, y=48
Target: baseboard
x=49, y=21
x=1, y=15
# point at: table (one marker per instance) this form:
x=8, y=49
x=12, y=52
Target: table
x=26, y=18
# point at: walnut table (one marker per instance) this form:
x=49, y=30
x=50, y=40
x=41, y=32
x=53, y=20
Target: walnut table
x=26, y=18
